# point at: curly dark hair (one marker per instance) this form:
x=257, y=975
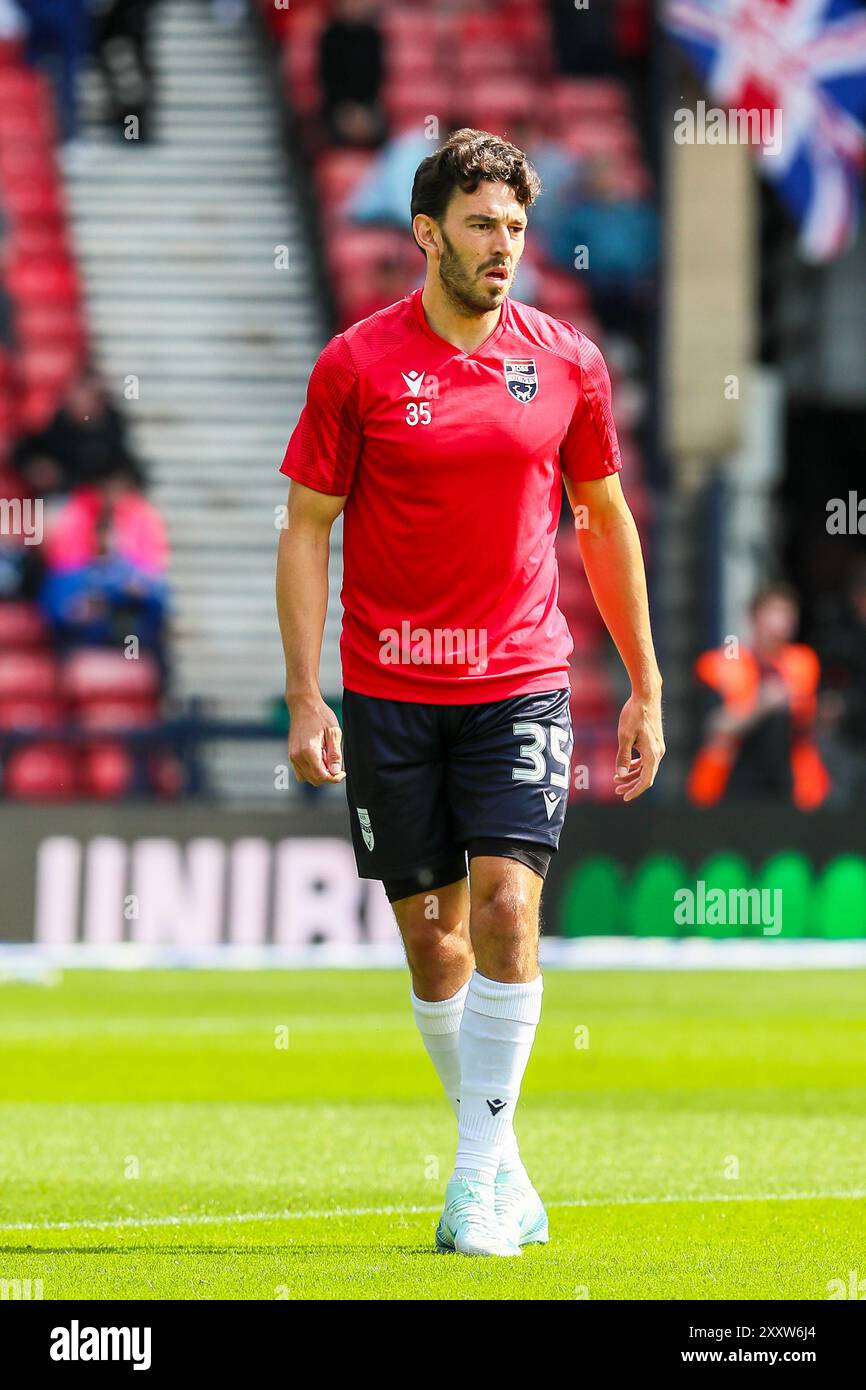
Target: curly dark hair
x=467, y=157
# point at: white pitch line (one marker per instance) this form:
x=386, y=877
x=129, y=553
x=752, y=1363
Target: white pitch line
x=207, y=1219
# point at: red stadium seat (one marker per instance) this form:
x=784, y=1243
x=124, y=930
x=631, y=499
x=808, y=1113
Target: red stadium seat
x=106, y=771
x=299, y=63
x=27, y=674
x=33, y=115
x=498, y=102
x=338, y=173
x=413, y=59
x=40, y=282
x=413, y=100
x=36, y=407
x=576, y=97
x=117, y=714
x=38, y=242
x=46, y=325
x=93, y=673
x=17, y=161
x=39, y=265
x=22, y=89
x=529, y=26
x=351, y=249
x=32, y=204
x=21, y=625
x=412, y=26
x=41, y=772
x=50, y=366
x=487, y=57
x=31, y=714
x=617, y=141
x=514, y=19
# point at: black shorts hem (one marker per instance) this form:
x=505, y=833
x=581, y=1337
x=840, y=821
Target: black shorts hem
x=426, y=880
x=533, y=853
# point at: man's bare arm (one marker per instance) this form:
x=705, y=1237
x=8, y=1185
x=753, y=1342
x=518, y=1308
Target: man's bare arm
x=611, y=553
x=302, y=603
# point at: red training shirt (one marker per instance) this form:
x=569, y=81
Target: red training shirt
x=451, y=462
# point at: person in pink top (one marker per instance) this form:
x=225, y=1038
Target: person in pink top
x=106, y=559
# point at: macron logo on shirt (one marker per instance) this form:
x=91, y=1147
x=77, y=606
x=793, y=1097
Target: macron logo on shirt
x=414, y=380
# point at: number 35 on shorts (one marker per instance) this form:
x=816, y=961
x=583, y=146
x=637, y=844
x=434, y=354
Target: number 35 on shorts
x=539, y=742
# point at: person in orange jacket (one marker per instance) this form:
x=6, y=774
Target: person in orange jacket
x=758, y=737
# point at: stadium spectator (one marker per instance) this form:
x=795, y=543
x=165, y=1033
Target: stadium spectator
x=106, y=558
x=583, y=39
x=121, y=46
x=590, y=39
x=85, y=440
x=384, y=192
x=58, y=39
x=351, y=71
x=758, y=734
x=620, y=234
x=560, y=173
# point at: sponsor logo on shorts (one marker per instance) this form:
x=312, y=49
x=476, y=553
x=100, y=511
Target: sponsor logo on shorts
x=551, y=801
x=366, y=829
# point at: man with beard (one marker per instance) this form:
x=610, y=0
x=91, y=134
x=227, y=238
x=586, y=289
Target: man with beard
x=443, y=427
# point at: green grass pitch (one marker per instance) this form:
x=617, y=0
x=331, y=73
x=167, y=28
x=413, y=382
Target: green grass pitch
x=695, y=1136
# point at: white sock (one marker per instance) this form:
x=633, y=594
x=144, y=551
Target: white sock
x=496, y=1036
x=439, y=1025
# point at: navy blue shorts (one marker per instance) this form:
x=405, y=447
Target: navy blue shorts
x=428, y=783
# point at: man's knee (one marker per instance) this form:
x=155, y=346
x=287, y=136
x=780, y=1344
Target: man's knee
x=508, y=895
x=504, y=921
x=435, y=934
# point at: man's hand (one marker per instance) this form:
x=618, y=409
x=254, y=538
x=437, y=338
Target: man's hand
x=640, y=727
x=315, y=741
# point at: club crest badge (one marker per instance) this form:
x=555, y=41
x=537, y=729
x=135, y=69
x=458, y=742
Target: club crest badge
x=521, y=378
x=366, y=829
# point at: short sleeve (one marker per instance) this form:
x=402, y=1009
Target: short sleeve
x=326, y=442
x=590, y=448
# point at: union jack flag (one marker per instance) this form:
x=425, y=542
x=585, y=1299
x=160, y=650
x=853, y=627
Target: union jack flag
x=806, y=59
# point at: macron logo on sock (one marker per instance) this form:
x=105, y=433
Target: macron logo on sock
x=494, y=1106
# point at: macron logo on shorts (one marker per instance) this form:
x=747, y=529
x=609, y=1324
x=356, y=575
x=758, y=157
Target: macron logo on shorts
x=551, y=801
